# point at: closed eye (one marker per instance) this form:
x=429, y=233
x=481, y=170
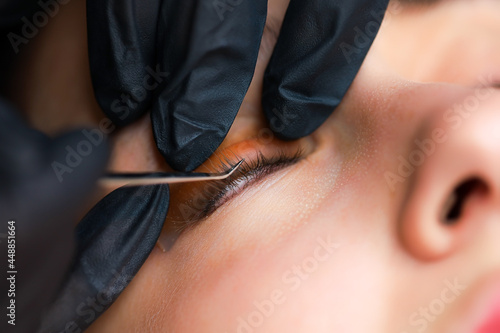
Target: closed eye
x=215, y=194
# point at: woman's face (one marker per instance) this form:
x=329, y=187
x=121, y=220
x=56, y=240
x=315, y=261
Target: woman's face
x=383, y=220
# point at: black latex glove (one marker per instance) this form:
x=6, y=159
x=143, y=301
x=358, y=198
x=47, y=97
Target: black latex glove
x=320, y=49
x=195, y=58
x=84, y=275
x=114, y=240
x=43, y=206
x=209, y=50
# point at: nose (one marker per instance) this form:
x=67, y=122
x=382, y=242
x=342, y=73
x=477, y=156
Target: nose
x=456, y=189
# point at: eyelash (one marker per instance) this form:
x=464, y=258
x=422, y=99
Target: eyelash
x=216, y=193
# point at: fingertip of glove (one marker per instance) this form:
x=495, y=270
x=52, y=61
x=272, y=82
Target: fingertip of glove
x=293, y=117
x=190, y=156
x=121, y=114
x=310, y=72
x=186, y=138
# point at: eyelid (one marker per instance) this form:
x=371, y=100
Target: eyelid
x=214, y=194
x=250, y=172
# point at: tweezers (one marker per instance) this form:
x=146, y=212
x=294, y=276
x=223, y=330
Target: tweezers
x=155, y=178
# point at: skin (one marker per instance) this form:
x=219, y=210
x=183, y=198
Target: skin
x=391, y=258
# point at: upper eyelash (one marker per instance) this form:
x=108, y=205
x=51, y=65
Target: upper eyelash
x=213, y=192
x=258, y=168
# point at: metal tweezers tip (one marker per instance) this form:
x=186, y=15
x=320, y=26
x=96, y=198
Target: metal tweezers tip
x=156, y=178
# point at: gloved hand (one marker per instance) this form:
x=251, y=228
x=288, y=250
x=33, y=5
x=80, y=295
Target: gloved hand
x=42, y=203
x=113, y=241
x=191, y=63
x=44, y=183
x=320, y=48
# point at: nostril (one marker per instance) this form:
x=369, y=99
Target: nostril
x=454, y=206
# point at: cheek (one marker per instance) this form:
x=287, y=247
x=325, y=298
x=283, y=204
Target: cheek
x=271, y=271
x=313, y=281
